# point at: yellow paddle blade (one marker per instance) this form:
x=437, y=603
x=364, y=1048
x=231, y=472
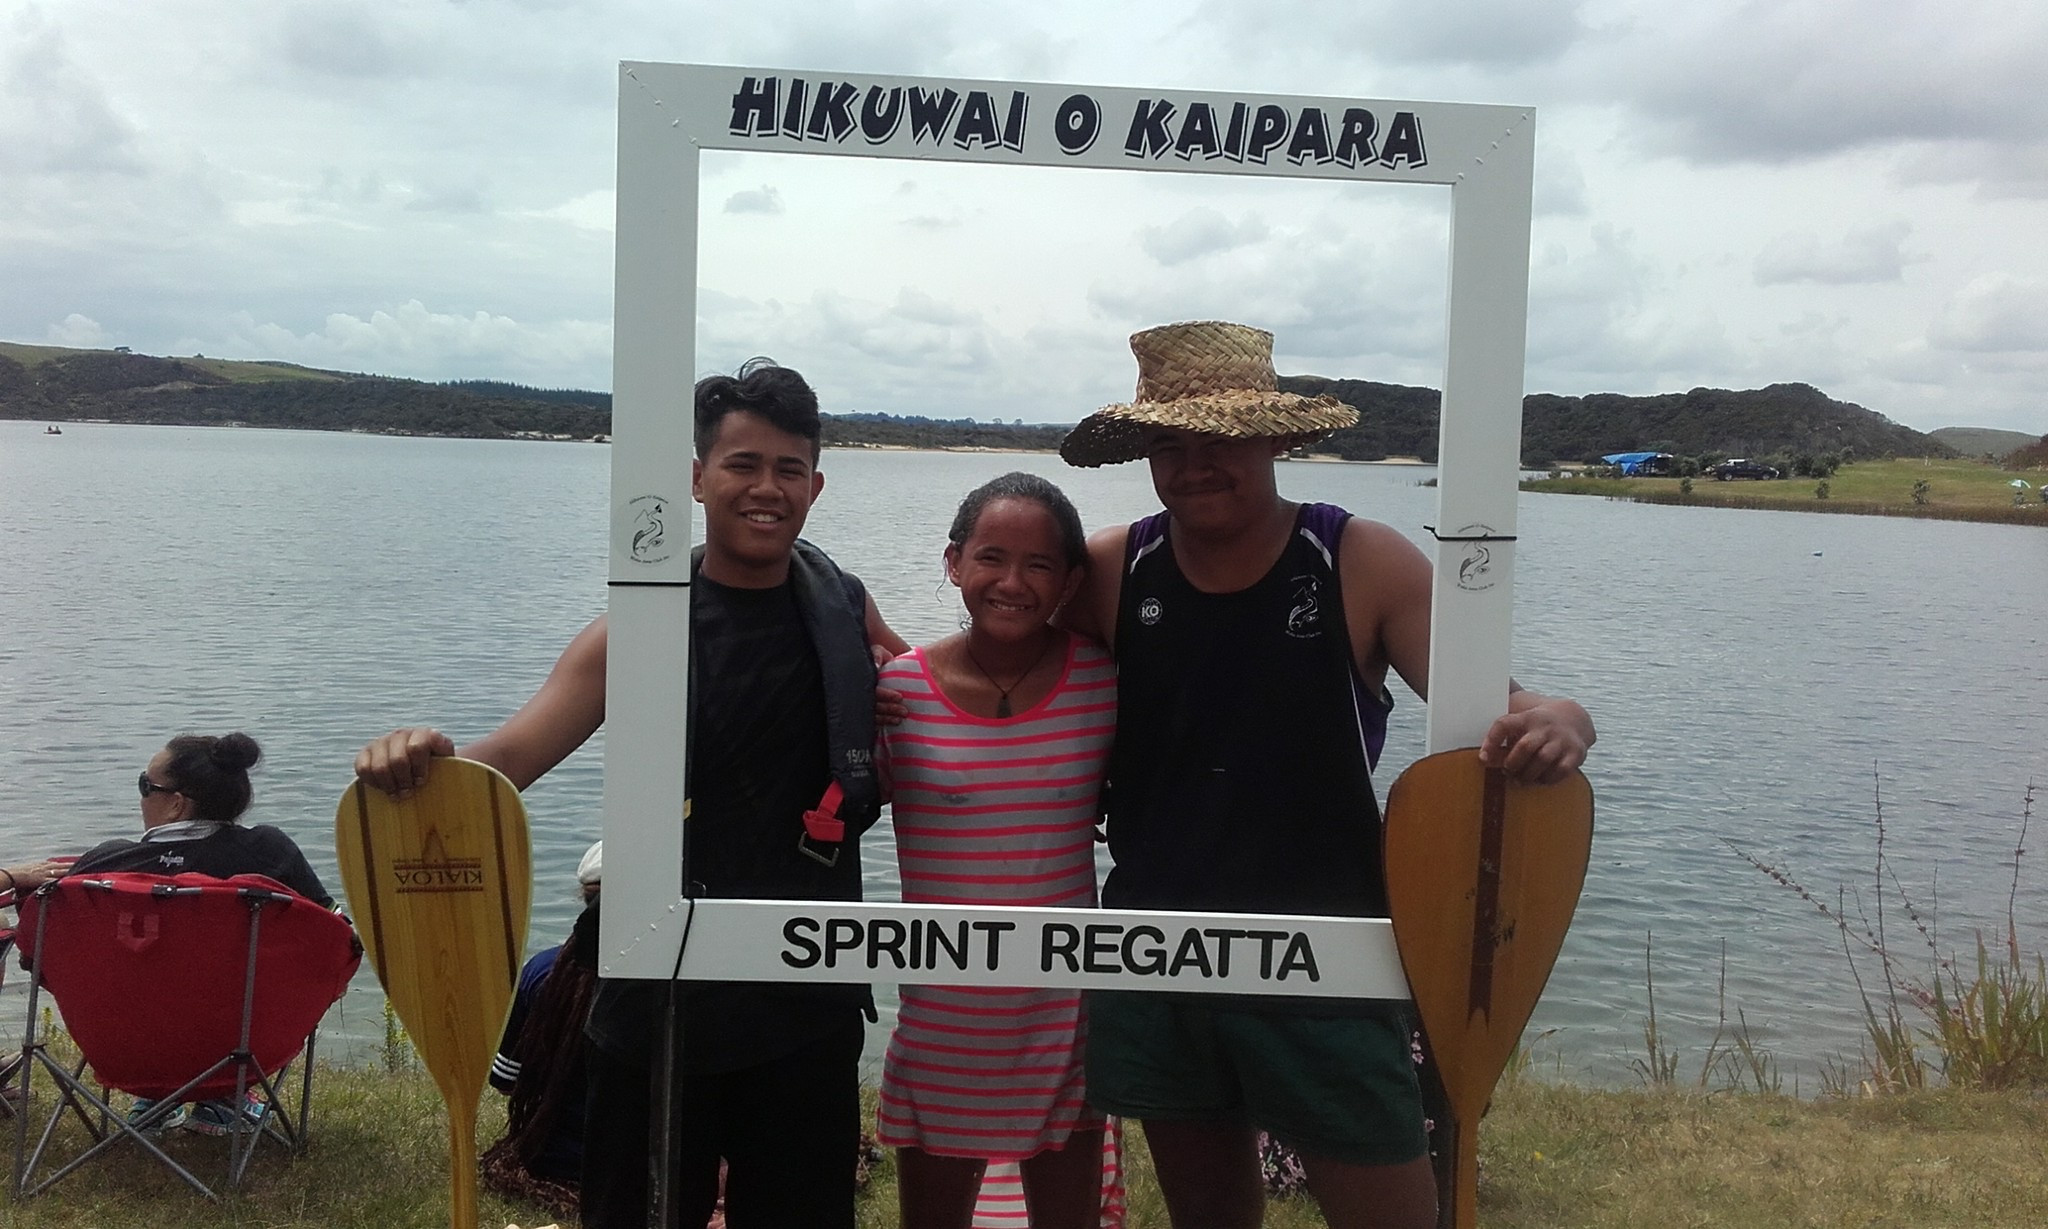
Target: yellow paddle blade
x=439, y=886
x=1482, y=877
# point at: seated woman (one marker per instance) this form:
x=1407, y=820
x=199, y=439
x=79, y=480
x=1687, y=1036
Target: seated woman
x=192, y=793
x=995, y=775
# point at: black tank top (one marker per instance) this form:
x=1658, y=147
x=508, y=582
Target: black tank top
x=1241, y=779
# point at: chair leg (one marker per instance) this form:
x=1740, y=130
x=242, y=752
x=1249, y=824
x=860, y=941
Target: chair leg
x=72, y=1088
x=306, y=1084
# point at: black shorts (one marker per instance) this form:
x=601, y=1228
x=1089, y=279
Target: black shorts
x=1343, y=1088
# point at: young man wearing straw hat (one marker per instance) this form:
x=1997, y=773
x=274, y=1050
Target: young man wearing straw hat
x=1253, y=636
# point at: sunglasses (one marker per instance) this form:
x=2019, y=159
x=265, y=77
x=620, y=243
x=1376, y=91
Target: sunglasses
x=148, y=787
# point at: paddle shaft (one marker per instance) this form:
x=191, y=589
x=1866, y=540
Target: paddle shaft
x=462, y=1163
x=1464, y=1184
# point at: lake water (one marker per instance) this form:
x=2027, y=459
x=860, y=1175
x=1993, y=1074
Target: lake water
x=1754, y=676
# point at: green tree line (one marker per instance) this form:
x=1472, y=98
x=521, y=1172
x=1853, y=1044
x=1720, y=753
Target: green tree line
x=1395, y=420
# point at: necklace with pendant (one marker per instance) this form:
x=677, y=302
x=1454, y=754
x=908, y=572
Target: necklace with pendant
x=1002, y=692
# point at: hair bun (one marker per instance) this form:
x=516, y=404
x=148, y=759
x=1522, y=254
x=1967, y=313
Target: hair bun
x=235, y=752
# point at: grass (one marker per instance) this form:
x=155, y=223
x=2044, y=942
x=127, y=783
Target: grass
x=1558, y=1156
x=28, y=355
x=1956, y=490
x=1551, y=1156
x=239, y=371
x=378, y=1157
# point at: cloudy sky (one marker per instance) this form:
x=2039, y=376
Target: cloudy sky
x=1728, y=194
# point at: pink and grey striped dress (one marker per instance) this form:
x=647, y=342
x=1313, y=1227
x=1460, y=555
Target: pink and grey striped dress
x=999, y=812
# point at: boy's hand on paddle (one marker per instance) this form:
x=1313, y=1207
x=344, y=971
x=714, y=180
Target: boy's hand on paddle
x=1541, y=742
x=397, y=763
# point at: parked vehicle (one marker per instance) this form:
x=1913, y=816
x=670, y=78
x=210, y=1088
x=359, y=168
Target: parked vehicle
x=1742, y=467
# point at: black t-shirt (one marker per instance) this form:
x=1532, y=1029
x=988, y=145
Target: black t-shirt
x=758, y=761
x=230, y=850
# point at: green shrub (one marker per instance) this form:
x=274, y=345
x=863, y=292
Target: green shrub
x=1989, y=1025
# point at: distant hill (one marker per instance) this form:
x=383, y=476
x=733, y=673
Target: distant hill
x=57, y=384
x=66, y=385
x=1781, y=420
x=1983, y=441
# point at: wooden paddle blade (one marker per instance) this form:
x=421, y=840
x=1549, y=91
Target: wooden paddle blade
x=439, y=886
x=1482, y=877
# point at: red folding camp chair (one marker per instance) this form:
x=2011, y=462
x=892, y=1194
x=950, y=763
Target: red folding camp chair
x=176, y=988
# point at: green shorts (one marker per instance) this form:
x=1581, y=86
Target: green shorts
x=1342, y=1088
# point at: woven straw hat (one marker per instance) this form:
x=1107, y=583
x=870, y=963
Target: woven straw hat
x=1209, y=376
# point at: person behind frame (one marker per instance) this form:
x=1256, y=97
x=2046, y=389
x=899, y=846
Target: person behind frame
x=995, y=774
x=769, y=1073
x=1253, y=636
x=540, y=1061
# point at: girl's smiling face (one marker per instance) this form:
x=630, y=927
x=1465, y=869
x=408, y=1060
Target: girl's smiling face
x=1012, y=571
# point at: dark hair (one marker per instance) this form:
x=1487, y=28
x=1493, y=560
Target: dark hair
x=213, y=773
x=1018, y=485
x=776, y=393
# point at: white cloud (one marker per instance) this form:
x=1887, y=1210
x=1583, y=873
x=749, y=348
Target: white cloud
x=356, y=41
x=596, y=210
x=1994, y=315
x=764, y=199
x=1560, y=189
x=1200, y=232
x=1787, y=82
x=1494, y=34
x=2001, y=170
x=414, y=340
x=1873, y=255
x=1603, y=318
x=55, y=115
x=82, y=332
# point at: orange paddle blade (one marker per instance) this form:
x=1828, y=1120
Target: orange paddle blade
x=1482, y=877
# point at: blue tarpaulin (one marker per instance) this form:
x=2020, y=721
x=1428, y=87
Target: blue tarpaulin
x=1638, y=462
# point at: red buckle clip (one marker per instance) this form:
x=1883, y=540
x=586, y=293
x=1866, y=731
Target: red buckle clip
x=824, y=826
x=824, y=823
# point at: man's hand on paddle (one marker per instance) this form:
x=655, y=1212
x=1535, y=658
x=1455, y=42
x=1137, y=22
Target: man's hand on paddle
x=1540, y=740
x=397, y=763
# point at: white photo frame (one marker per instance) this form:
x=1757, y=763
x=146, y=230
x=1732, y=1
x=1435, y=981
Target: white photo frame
x=670, y=113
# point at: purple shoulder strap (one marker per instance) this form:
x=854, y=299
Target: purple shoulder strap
x=1323, y=525
x=1143, y=537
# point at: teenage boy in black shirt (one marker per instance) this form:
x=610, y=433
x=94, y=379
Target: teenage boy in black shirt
x=769, y=1073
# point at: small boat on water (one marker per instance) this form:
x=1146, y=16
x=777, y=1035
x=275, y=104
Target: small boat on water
x=53, y=429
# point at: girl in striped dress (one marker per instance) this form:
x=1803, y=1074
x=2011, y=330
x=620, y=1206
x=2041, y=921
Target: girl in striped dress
x=995, y=775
